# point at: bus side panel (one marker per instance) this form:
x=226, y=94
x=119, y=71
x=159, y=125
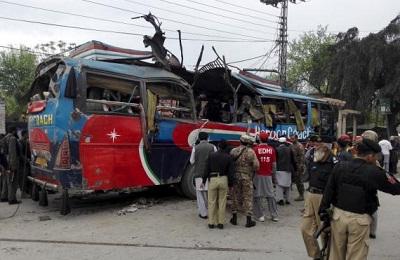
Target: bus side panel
x=110, y=151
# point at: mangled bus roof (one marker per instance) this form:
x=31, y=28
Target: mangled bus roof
x=144, y=72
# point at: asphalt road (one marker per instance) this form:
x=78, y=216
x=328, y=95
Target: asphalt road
x=165, y=227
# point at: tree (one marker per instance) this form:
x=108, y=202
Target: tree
x=366, y=71
x=44, y=50
x=307, y=60
x=17, y=69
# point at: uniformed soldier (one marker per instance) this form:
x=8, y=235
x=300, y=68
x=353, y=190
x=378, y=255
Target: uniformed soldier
x=299, y=159
x=320, y=171
x=220, y=173
x=372, y=135
x=246, y=163
x=352, y=190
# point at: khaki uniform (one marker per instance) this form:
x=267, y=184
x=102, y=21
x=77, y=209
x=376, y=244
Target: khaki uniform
x=310, y=224
x=350, y=235
x=299, y=158
x=217, y=193
x=245, y=166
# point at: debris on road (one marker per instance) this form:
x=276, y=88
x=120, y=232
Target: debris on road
x=141, y=203
x=44, y=218
x=130, y=209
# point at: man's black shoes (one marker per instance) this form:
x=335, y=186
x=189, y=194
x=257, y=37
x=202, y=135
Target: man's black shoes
x=211, y=226
x=220, y=226
x=250, y=222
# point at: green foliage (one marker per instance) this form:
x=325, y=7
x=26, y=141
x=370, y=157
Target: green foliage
x=308, y=58
x=44, y=50
x=17, y=69
x=365, y=72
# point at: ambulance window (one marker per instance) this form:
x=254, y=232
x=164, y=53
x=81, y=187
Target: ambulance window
x=173, y=100
x=109, y=94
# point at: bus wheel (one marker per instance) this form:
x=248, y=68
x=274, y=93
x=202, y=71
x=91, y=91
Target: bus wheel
x=65, y=207
x=35, y=192
x=187, y=183
x=43, y=200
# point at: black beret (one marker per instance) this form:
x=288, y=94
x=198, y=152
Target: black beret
x=223, y=144
x=203, y=136
x=368, y=146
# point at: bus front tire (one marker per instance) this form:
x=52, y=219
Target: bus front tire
x=187, y=183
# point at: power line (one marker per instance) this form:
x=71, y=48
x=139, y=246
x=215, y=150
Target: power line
x=112, y=21
x=252, y=58
x=217, y=14
x=230, y=11
x=246, y=8
x=121, y=32
x=188, y=15
x=174, y=21
x=268, y=55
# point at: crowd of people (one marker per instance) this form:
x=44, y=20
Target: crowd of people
x=343, y=178
x=14, y=165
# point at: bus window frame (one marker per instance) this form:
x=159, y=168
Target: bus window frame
x=84, y=86
x=188, y=90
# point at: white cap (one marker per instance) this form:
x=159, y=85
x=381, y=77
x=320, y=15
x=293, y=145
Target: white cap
x=282, y=139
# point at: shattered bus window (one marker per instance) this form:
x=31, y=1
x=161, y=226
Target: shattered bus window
x=47, y=85
x=107, y=94
x=173, y=101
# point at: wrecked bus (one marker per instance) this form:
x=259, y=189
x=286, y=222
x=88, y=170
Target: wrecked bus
x=122, y=124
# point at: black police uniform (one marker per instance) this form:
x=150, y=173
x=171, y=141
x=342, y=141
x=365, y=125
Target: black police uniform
x=352, y=190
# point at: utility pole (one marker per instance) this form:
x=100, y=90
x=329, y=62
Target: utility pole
x=283, y=37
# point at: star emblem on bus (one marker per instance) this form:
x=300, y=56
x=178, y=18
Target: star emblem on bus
x=113, y=135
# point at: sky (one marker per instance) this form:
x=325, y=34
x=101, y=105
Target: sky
x=251, y=25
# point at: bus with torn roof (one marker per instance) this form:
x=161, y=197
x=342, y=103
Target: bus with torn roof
x=103, y=119
x=101, y=126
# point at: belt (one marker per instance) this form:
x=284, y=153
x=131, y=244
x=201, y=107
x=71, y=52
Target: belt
x=315, y=190
x=216, y=174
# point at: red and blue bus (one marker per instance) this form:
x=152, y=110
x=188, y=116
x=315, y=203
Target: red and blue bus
x=109, y=126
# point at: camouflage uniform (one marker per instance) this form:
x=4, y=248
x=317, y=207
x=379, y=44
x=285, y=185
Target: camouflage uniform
x=299, y=158
x=245, y=166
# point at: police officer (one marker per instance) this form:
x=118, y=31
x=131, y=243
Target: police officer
x=246, y=163
x=320, y=171
x=220, y=172
x=352, y=190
